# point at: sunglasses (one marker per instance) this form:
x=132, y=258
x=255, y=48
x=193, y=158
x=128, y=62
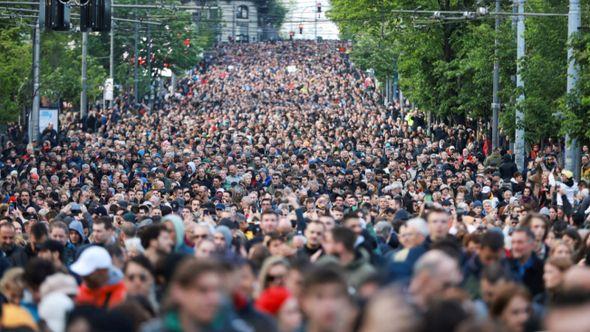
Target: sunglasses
x=273, y=278
x=200, y=236
x=142, y=277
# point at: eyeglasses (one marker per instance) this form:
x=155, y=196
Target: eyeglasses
x=142, y=277
x=200, y=236
x=274, y=278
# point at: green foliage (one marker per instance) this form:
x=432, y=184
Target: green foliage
x=272, y=12
x=61, y=67
x=576, y=106
x=15, y=69
x=446, y=65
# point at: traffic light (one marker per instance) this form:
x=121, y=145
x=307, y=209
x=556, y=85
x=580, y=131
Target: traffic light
x=300, y=29
x=291, y=34
x=95, y=15
x=319, y=7
x=54, y=14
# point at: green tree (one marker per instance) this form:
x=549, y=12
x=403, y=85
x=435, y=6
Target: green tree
x=15, y=71
x=446, y=63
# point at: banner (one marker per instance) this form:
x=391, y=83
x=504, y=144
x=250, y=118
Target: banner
x=108, y=89
x=47, y=116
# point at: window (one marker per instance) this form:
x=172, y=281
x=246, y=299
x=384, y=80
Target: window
x=242, y=12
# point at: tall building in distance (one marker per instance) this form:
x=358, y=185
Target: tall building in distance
x=305, y=22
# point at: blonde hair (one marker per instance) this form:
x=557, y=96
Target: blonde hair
x=11, y=278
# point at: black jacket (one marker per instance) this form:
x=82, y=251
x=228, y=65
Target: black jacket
x=530, y=274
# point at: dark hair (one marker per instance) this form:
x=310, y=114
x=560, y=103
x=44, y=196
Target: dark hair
x=36, y=271
x=573, y=233
x=345, y=236
x=192, y=269
x=525, y=230
x=504, y=295
x=268, y=211
x=324, y=275
x=39, y=230
x=142, y=261
x=434, y=210
x=493, y=240
x=444, y=315
x=149, y=233
x=106, y=221
x=527, y=221
x=494, y=273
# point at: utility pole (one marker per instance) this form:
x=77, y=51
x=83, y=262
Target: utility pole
x=233, y=29
x=149, y=59
x=496, y=83
x=34, y=123
x=520, y=50
x=83, y=96
x=135, y=63
x=572, y=160
x=112, y=58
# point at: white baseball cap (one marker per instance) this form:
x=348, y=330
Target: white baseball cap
x=92, y=259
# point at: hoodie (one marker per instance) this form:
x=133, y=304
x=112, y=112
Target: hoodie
x=179, y=244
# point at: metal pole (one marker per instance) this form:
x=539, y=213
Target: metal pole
x=572, y=158
x=135, y=64
x=520, y=53
x=34, y=124
x=149, y=59
x=112, y=59
x=83, y=96
x=316, y=28
x=233, y=29
x=496, y=84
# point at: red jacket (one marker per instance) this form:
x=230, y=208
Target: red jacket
x=105, y=297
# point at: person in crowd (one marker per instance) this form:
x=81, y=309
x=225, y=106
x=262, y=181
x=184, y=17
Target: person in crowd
x=434, y=273
x=277, y=172
x=278, y=302
x=325, y=301
x=526, y=266
x=553, y=277
x=100, y=288
x=157, y=242
x=140, y=280
x=12, y=286
x=511, y=307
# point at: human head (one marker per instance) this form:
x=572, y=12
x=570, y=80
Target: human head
x=93, y=266
x=413, y=232
x=156, y=237
x=314, y=233
x=7, y=235
x=58, y=231
x=434, y=273
x=278, y=302
x=511, y=306
x=102, y=230
x=139, y=276
x=12, y=285
x=523, y=244
x=196, y=290
x=554, y=272
x=325, y=299
x=273, y=272
x=492, y=277
x=268, y=221
x=491, y=247
x=439, y=223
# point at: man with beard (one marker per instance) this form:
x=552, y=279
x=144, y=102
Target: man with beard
x=156, y=241
x=16, y=255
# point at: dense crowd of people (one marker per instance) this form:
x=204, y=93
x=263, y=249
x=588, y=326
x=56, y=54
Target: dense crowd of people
x=272, y=190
